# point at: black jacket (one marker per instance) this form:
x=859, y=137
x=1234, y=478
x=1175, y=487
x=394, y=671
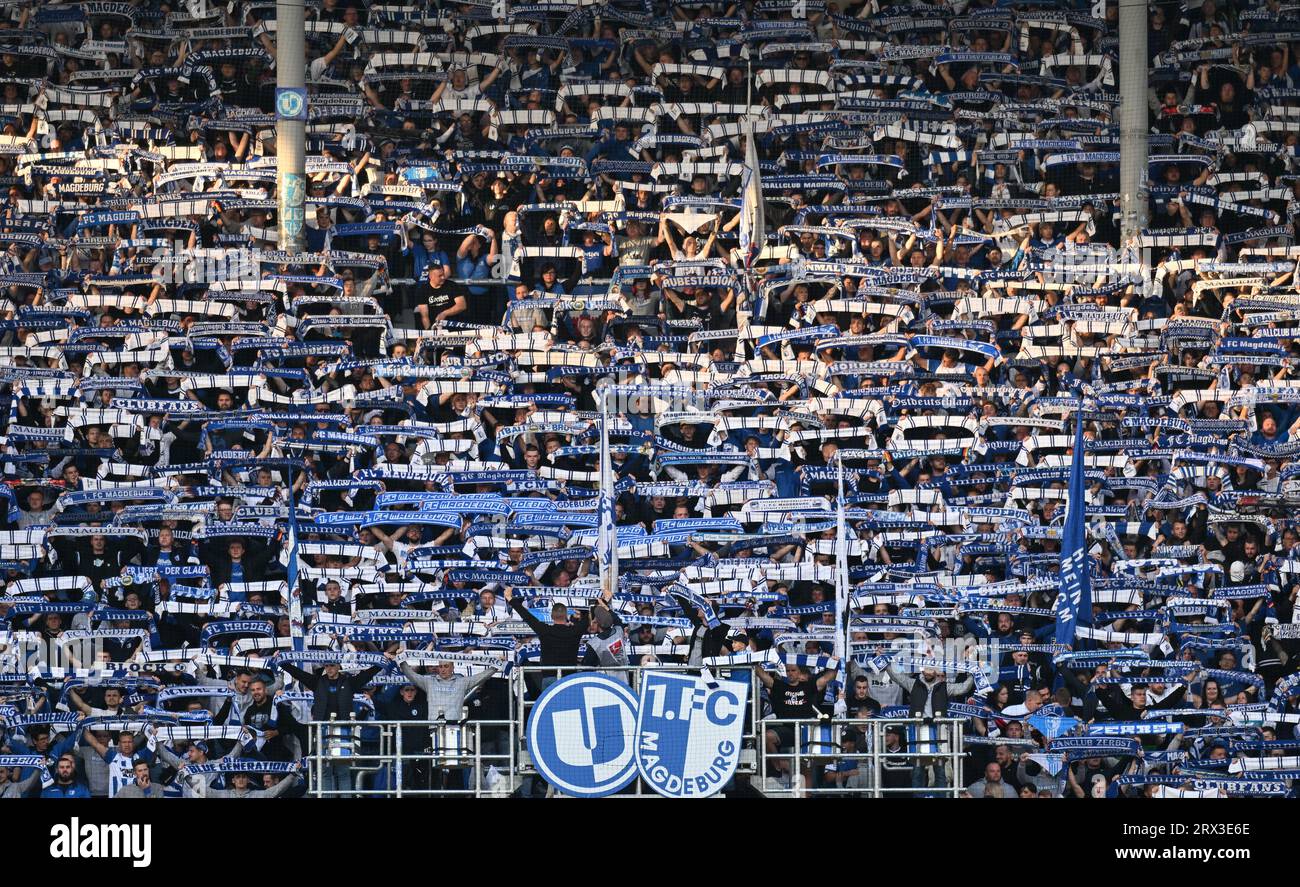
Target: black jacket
x=704, y=641
x=332, y=697
x=559, y=642
x=258, y=716
x=1120, y=707
x=256, y=561
x=937, y=694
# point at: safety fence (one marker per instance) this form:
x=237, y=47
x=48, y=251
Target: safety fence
x=876, y=757
x=873, y=757
x=405, y=759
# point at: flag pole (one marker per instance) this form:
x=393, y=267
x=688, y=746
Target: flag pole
x=608, y=541
x=753, y=226
x=841, y=569
x=296, y=627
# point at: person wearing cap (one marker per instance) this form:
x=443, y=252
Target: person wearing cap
x=846, y=771
x=504, y=196
x=332, y=699
x=242, y=786
x=1021, y=675
x=197, y=753
x=409, y=704
x=596, y=254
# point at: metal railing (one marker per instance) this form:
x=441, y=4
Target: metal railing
x=489, y=758
x=405, y=759
x=824, y=758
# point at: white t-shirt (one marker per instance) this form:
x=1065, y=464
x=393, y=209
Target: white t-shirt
x=452, y=94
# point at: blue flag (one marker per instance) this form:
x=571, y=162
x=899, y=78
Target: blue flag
x=1052, y=726
x=1074, y=602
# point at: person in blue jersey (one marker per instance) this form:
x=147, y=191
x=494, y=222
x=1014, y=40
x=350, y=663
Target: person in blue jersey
x=598, y=253
x=425, y=252
x=121, y=759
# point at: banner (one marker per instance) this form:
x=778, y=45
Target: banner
x=1074, y=602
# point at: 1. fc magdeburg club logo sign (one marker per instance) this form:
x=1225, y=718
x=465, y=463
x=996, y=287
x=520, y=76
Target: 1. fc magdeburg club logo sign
x=688, y=733
x=589, y=735
x=580, y=735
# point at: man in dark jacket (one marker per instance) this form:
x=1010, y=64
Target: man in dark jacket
x=705, y=642
x=1139, y=703
x=332, y=688
x=333, y=691
x=560, y=639
x=927, y=697
x=928, y=693
x=410, y=705
x=99, y=559
x=280, y=736
x=238, y=563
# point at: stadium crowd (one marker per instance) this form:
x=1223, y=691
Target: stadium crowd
x=264, y=488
